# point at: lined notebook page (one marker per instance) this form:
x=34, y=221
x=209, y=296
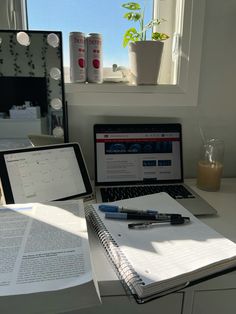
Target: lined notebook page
x=166, y=251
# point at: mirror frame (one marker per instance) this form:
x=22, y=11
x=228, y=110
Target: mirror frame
x=40, y=57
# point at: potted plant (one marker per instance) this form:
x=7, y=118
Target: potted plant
x=144, y=55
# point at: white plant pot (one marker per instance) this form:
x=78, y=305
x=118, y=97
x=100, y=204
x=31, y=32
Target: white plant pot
x=145, y=61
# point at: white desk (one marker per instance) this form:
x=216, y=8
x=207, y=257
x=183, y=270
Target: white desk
x=216, y=296
x=225, y=203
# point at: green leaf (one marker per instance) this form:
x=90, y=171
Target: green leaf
x=159, y=36
x=131, y=6
x=131, y=35
x=131, y=16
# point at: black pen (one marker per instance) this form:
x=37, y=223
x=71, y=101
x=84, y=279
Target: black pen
x=141, y=216
x=148, y=224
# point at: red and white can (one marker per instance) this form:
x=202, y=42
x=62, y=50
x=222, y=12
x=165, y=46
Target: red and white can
x=94, y=58
x=78, y=57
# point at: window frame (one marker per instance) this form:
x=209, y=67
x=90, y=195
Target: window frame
x=184, y=93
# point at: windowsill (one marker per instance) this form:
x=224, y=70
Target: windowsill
x=122, y=96
x=114, y=87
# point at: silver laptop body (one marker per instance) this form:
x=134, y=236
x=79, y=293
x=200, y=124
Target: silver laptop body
x=137, y=155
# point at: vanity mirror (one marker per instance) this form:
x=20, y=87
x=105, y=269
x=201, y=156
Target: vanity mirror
x=32, y=97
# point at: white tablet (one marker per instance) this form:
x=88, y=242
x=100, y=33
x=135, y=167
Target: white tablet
x=46, y=173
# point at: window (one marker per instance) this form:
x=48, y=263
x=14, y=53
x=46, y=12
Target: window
x=105, y=17
x=181, y=64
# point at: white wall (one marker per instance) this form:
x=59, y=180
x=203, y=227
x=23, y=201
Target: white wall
x=216, y=110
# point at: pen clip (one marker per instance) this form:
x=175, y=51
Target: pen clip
x=139, y=225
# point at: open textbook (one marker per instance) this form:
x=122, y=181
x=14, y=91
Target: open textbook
x=44, y=249
x=159, y=260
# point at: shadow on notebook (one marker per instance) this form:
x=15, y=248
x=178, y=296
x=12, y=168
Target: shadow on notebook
x=138, y=159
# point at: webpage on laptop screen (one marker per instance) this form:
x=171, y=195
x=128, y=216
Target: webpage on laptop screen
x=138, y=156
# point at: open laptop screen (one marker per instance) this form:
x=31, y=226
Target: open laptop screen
x=44, y=173
x=138, y=153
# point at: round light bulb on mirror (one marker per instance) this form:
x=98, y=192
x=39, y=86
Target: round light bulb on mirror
x=23, y=38
x=55, y=73
x=53, y=40
x=58, y=131
x=56, y=103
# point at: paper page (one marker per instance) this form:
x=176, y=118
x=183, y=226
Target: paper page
x=166, y=251
x=43, y=247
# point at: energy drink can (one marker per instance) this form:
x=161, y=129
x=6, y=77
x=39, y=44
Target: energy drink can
x=77, y=57
x=94, y=58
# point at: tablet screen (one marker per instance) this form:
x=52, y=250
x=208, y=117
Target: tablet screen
x=41, y=174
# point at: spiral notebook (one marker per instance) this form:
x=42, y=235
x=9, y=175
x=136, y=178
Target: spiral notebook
x=159, y=260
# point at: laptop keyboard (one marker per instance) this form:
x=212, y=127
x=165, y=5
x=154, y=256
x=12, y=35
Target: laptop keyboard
x=112, y=194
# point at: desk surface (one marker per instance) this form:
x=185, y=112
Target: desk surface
x=224, y=222
x=224, y=201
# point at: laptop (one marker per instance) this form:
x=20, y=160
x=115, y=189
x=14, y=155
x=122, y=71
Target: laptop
x=42, y=174
x=139, y=159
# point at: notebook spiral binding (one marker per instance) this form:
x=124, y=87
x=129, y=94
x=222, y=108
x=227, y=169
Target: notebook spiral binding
x=125, y=272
